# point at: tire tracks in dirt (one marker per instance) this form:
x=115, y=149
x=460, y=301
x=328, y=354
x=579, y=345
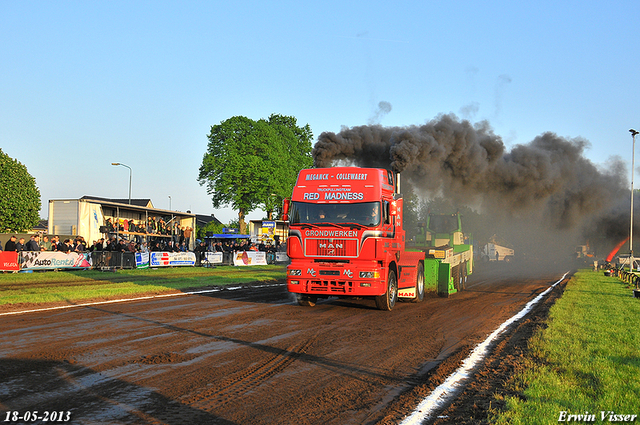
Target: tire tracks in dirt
x=230, y=389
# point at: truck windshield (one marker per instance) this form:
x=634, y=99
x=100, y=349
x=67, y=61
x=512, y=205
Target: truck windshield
x=443, y=223
x=362, y=213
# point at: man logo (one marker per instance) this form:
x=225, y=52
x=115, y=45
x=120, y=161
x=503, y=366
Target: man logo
x=331, y=246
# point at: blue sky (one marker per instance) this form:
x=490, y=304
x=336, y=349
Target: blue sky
x=84, y=84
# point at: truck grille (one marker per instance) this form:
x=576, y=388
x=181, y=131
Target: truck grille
x=331, y=247
x=333, y=286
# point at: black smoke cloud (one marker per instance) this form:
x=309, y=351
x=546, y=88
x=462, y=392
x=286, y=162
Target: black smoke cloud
x=547, y=183
x=383, y=109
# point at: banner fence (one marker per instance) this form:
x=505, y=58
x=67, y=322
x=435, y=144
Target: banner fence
x=11, y=261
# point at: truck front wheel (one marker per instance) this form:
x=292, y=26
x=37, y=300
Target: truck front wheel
x=306, y=300
x=387, y=300
x=419, y=284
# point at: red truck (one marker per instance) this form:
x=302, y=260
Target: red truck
x=346, y=238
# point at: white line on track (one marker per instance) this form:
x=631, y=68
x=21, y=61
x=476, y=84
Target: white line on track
x=445, y=392
x=148, y=297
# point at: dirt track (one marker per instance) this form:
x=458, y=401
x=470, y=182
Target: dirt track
x=253, y=356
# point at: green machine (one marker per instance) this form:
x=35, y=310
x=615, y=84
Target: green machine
x=448, y=253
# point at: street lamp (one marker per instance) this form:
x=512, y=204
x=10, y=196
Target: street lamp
x=633, y=151
x=118, y=163
x=169, y=202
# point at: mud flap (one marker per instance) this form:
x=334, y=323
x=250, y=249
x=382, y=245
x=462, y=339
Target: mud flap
x=444, y=278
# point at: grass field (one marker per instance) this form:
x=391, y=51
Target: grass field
x=78, y=286
x=586, y=362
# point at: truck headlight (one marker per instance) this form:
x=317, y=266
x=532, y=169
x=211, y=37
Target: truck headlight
x=294, y=272
x=370, y=275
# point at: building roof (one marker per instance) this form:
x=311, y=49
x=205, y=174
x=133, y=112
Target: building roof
x=202, y=220
x=42, y=225
x=145, y=203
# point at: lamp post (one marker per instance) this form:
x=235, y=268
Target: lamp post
x=118, y=163
x=633, y=151
x=169, y=202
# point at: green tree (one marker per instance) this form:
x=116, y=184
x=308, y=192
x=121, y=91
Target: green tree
x=212, y=226
x=19, y=196
x=248, y=164
x=297, y=142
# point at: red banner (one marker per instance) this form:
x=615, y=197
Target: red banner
x=9, y=261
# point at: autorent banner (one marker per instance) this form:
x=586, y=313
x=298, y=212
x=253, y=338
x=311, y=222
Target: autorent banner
x=9, y=261
x=47, y=260
x=168, y=259
x=250, y=258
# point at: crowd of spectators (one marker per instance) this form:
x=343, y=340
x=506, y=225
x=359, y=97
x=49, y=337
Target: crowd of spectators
x=153, y=226
x=115, y=244
x=34, y=244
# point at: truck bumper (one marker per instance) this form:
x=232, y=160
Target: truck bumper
x=336, y=280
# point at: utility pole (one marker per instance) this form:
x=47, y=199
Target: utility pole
x=633, y=151
x=118, y=163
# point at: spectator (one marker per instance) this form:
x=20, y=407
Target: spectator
x=200, y=252
x=178, y=236
x=33, y=244
x=46, y=245
x=20, y=245
x=11, y=244
x=80, y=245
x=187, y=234
x=64, y=246
x=121, y=246
x=55, y=243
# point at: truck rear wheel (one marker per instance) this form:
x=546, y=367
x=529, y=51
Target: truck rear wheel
x=387, y=300
x=464, y=276
x=419, y=284
x=306, y=300
x=456, y=275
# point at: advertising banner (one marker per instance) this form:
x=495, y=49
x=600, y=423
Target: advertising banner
x=47, y=260
x=250, y=258
x=282, y=257
x=167, y=259
x=142, y=260
x=90, y=220
x=214, y=257
x=9, y=261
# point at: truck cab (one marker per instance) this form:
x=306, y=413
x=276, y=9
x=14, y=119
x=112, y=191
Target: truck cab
x=346, y=237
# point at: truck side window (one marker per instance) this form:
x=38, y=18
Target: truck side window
x=386, y=216
x=390, y=178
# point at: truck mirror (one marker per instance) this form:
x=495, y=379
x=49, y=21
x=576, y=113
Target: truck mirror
x=285, y=210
